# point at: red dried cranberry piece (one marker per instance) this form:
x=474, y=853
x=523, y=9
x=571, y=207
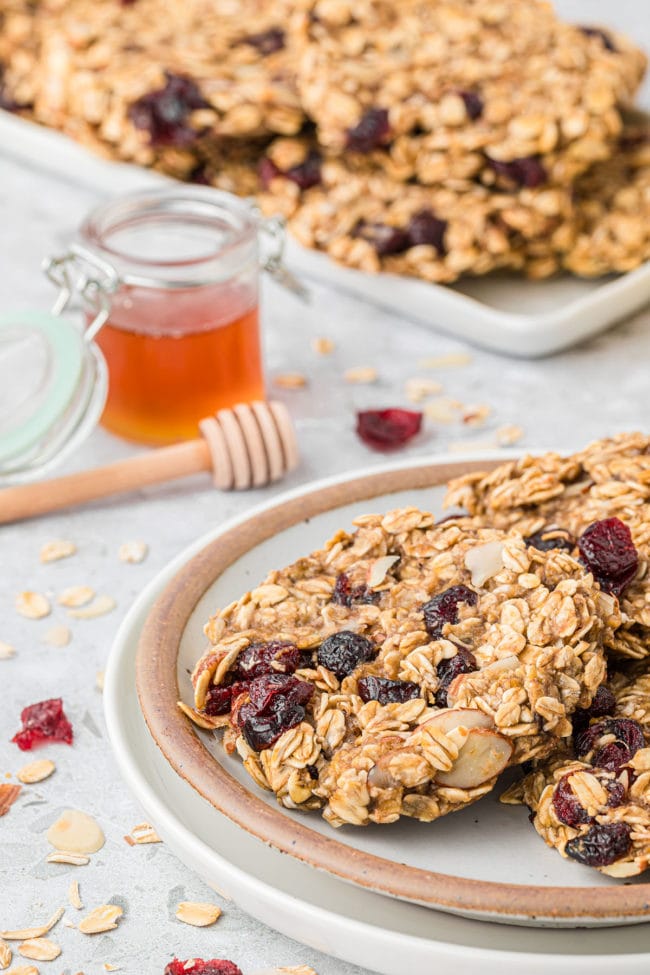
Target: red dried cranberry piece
x=267, y=171
x=463, y=663
x=258, y=659
x=387, y=691
x=611, y=756
x=566, y=805
x=601, y=34
x=601, y=845
x=629, y=738
x=388, y=429
x=163, y=113
x=603, y=703
x=43, y=723
x=608, y=551
x=425, y=228
x=220, y=699
x=527, y=171
x=343, y=652
x=276, y=702
x=305, y=175
x=443, y=608
x=549, y=538
x=267, y=41
x=196, y=966
x=346, y=595
x=370, y=132
x=617, y=793
x=264, y=690
x=385, y=239
x=473, y=103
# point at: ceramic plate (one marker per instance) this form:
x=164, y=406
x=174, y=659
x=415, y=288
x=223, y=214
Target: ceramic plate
x=385, y=935
x=485, y=861
x=487, y=311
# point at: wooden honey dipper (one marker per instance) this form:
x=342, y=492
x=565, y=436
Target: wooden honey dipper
x=247, y=446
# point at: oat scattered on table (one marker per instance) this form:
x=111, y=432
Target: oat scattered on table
x=290, y=380
x=74, y=895
x=361, y=375
x=99, y=607
x=6, y=650
x=57, y=549
x=101, y=919
x=133, y=552
x=418, y=389
x=33, y=605
x=39, y=949
x=36, y=771
x=58, y=635
x=322, y=345
x=198, y=914
x=75, y=596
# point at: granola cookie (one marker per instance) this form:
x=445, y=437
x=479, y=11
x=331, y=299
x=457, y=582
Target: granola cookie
x=400, y=668
x=554, y=500
x=592, y=802
x=496, y=90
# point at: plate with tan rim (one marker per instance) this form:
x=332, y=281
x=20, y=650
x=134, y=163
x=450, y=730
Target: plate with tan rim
x=484, y=862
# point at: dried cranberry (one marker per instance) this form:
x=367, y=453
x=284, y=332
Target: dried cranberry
x=258, y=659
x=601, y=34
x=473, y=103
x=385, y=239
x=312, y=771
x=305, y=175
x=388, y=429
x=566, y=805
x=275, y=703
x=196, y=966
x=425, y=228
x=387, y=691
x=370, y=132
x=343, y=652
x=199, y=175
x=43, y=723
x=267, y=41
x=601, y=845
x=527, y=171
x=549, y=538
x=163, y=113
x=603, y=703
x=443, y=608
x=616, y=793
x=628, y=739
x=608, y=551
x=267, y=171
x=463, y=663
x=346, y=595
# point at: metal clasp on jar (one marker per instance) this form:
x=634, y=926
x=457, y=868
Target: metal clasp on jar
x=83, y=273
x=274, y=229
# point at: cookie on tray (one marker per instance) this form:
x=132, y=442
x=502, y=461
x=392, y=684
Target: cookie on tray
x=592, y=801
x=399, y=669
x=595, y=503
x=497, y=90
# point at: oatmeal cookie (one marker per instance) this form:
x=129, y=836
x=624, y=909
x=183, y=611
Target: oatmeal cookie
x=554, y=500
x=501, y=91
x=400, y=668
x=592, y=801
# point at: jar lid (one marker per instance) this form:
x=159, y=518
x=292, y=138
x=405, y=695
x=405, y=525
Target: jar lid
x=53, y=387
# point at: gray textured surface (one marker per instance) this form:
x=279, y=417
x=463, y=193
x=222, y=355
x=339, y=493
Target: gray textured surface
x=599, y=388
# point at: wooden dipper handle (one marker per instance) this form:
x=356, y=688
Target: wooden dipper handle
x=247, y=446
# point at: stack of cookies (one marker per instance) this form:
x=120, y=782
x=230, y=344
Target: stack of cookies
x=433, y=139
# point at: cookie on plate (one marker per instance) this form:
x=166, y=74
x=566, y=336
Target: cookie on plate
x=399, y=669
x=592, y=801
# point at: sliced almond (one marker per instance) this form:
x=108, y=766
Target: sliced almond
x=322, y=345
x=484, y=755
x=76, y=832
x=36, y=771
x=75, y=596
x=74, y=896
x=360, y=375
x=64, y=856
x=23, y=970
x=5, y=955
x=484, y=561
x=290, y=380
x=453, y=718
x=452, y=360
x=24, y=934
x=57, y=549
x=39, y=949
x=33, y=605
x=58, y=635
x=102, y=919
x=8, y=795
x=141, y=834
x=99, y=606
x=378, y=569
x=197, y=913
x=133, y=552
x=6, y=650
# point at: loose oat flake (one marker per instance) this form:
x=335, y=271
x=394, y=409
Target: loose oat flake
x=99, y=680
x=36, y=771
x=200, y=915
x=71, y=859
x=133, y=552
x=74, y=896
x=8, y=795
x=101, y=605
x=75, y=596
x=102, y=919
x=453, y=359
x=5, y=955
x=23, y=970
x=509, y=434
x=323, y=346
x=33, y=605
x=417, y=390
x=39, y=949
x=76, y=832
x=6, y=650
x=290, y=380
x=58, y=636
x=141, y=834
x=360, y=375
x=24, y=934
x=57, y=549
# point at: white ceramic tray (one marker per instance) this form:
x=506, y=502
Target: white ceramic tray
x=502, y=312
x=360, y=926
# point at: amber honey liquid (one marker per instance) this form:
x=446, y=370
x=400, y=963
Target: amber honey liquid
x=175, y=357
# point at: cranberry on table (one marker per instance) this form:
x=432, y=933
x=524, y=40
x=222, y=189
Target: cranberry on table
x=387, y=691
x=43, y=723
x=463, y=662
x=443, y=608
x=388, y=429
x=371, y=131
x=197, y=966
x=602, y=845
x=343, y=652
x=608, y=551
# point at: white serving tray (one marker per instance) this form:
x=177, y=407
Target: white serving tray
x=501, y=312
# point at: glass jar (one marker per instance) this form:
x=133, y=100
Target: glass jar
x=181, y=335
